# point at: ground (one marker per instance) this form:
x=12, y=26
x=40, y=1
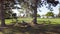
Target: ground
x=53, y=27
x=47, y=29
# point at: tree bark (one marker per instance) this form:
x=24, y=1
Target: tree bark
x=35, y=12
x=2, y=13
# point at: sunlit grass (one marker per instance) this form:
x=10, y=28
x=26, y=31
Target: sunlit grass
x=53, y=20
x=39, y=20
x=1, y=33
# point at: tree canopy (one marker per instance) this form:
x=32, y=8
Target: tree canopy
x=34, y=4
x=50, y=14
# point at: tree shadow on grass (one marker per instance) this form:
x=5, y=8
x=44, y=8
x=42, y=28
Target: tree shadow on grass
x=37, y=29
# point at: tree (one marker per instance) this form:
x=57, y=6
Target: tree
x=25, y=7
x=3, y=8
x=2, y=13
x=59, y=12
x=33, y=3
x=38, y=3
x=9, y=5
x=34, y=6
x=38, y=15
x=50, y=14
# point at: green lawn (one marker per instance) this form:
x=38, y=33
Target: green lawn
x=39, y=20
x=53, y=20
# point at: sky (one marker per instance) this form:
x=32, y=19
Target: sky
x=43, y=9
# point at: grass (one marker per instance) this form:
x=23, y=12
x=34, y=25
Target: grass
x=17, y=30
x=53, y=20
x=1, y=33
x=39, y=20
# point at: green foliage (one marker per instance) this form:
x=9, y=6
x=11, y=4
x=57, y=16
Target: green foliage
x=33, y=15
x=50, y=14
x=8, y=14
x=38, y=15
x=9, y=4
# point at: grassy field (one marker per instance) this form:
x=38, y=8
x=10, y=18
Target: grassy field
x=39, y=20
x=32, y=30
x=52, y=20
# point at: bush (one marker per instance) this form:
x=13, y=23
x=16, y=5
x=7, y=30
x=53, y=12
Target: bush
x=50, y=14
x=38, y=15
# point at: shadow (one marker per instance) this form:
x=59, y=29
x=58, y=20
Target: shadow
x=28, y=29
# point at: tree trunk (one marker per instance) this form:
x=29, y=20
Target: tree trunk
x=35, y=12
x=2, y=13
x=35, y=16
